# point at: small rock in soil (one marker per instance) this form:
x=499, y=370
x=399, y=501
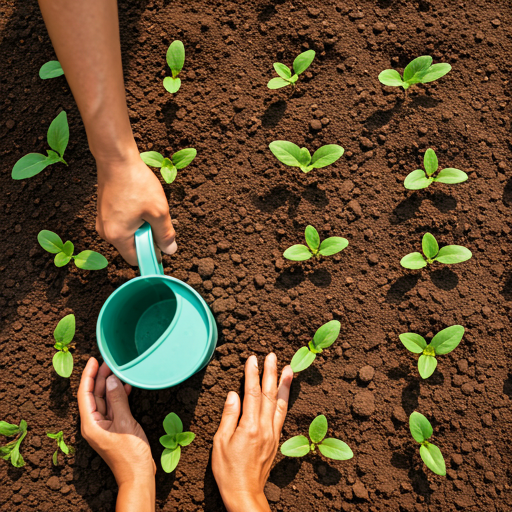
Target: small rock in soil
x=10, y=124
x=366, y=143
x=366, y=373
x=462, y=365
x=272, y=492
x=315, y=125
x=224, y=305
x=364, y=404
x=360, y=490
x=259, y=280
x=457, y=459
x=206, y=267
x=350, y=371
x=355, y=207
x=399, y=414
x=378, y=27
x=53, y=483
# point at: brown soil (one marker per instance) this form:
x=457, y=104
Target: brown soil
x=237, y=205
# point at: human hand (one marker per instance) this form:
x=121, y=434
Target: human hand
x=129, y=193
x=243, y=452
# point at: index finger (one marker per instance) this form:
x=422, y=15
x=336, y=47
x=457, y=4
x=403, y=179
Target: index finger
x=252, y=393
x=86, y=401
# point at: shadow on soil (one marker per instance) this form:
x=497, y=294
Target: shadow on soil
x=506, y=290
x=403, y=285
x=418, y=478
x=285, y=471
x=444, y=278
x=293, y=276
x=310, y=376
x=273, y=114
x=507, y=193
x=409, y=207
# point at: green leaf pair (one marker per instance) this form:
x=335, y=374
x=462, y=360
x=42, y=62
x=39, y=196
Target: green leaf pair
x=64, y=334
x=449, y=254
x=174, y=439
x=421, y=430
x=290, y=154
x=442, y=343
x=417, y=179
x=169, y=166
x=420, y=70
x=331, y=448
x=61, y=445
x=33, y=163
x=328, y=247
x=51, y=69
x=175, y=59
x=11, y=451
x=87, y=260
x=324, y=337
x=300, y=64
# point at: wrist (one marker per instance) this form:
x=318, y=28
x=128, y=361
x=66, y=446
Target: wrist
x=241, y=502
x=137, y=495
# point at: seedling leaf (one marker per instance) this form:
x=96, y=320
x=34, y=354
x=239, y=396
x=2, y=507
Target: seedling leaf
x=297, y=252
x=297, y=446
x=185, y=438
x=447, y=339
x=416, y=69
x=433, y=458
x=390, y=77
x=168, y=172
x=413, y=261
x=183, y=157
x=170, y=459
x=426, y=366
x=312, y=238
x=326, y=335
x=318, y=429
x=169, y=441
x=68, y=248
x=176, y=58
x=332, y=245
x=65, y=330
x=50, y=241
x=304, y=159
x=326, y=155
x=63, y=363
x=416, y=180
x=451, y=176
x=8, y=429
x=61, y=259
x=286, y=152
x=58, y=133
x=436, y=71
x=152, y=158
x=420, y=427
x=172, y=85
x=451, y=254
x=413, y=342
x=90, y=260
x=429, y=246
x=173, y=424
x=277, y=83
x=335, y=449
x=303, y=61
x=430, y=161
x=30, y=165
x=302, y=359
x=51, y=69
x=282, y=70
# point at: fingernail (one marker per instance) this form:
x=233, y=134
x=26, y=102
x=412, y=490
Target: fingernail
x=171, y=248
x=112, y=383
x=231, y=399
x=255, y=361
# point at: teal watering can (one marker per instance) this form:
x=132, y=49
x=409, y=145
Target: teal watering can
x=155, y=331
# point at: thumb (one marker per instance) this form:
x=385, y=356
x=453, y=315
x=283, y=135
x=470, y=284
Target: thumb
x=230, y=416
x=118, y=409
x=163, y=232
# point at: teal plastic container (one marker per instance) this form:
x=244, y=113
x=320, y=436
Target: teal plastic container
x=155, y=331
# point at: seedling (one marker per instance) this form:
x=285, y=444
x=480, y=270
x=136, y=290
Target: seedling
x=87, y=260
x=331, y=448
x=51, y=69
x=449, y=254
x=421, y=430
x=61, y=445
x=419, y=70
x=174, y=439
x=175, y=59
x=300, y=64
x=64, y=334
x=169, y=166
x=11, y=451
x=328, y=247
x=442, y=343
x=33, y=163
x=324, y=337
x=290, y=154
x=417, y=179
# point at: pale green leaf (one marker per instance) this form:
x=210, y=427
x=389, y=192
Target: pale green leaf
x=417, y=180
x=61, y=259
x=318, y=428
x=173, y=424
x=391, y=77
x=152, y=158
x=65, y=330
x=63, y=363
x=51, y=69
x=297, y=446
x=326, y=335
x=447, y=339
x=416, y=69
x=68, y=248
x=170, y=459
x=420, y=427
x=426, y=366
x=413, y=261
x=433, y=458
x=326, y=155
x=176, y=58
x=50, y=241
x=429, y=246
x=184, y=157
x=277, y=83
x=297, y=252
x=169, y=173
x=436, y=71
x=169, y=441
x=335, y=449
x=30, y=165
x=332, y=245
x=430, y=161
x=451, y=176
x=58, y=133
x=302, y=359
x=312, y=238
x=303, y=61
x=172, y=85
x=90, y=260
x=413, y=342
x=282, y=70
x=451, y=254
x=286, y=152
x=8, y=429
x=185, y=438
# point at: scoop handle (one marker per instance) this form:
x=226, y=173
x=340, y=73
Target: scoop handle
x=146, y=255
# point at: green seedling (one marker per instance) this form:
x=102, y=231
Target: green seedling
x=33, y=163
x=11, y=451
x=449, y=254
x=169, y=166
x=331, y=448
x=300, y=64
x=61, y=445
x=174, y=439
x=417, y=179
x=175, y=59
x=420, y=70
x=328, y=247
x=87, y=260
x=324, y=337
x=290, y=154
x=421, y=430
x=51, y=69
x=64, y=334
x=442, y=343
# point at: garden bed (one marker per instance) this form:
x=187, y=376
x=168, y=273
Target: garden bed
x=239, y=208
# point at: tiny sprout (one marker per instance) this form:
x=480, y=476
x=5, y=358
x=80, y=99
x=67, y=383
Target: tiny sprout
x=33, y=163
x=417, y=180
x=51, y=69
x=64, y=448
x=174, y=439
x=169, y=166
x=290, y=154
x=300, y=64
x=442, y=343
x=175, y=59
x=331, y=448
x=449, y=254
x=328, y=247
x=419, y=70
x=87, y=260
x=324, y=337
x=421, y=430
x=64, y=334
x=11, y=451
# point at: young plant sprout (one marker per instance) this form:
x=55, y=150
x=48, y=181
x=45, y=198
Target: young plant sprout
x=11, y=451
x=417, y=179
x=33, y=163
x=442, y=343
x=64, y=334
x=290, y=154
x=51, y=69
x=419, y=70
x=324, y=337
x=61, y=445
x=169, y=166
x=300, y=64
x=421, y=430
x=328, y=247
x=449, y=254
x=174, y=439
x=331, y=448
x=87, y=260
x=175, y=59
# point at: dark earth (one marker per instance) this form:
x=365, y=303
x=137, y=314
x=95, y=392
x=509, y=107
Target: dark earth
x=236, y=209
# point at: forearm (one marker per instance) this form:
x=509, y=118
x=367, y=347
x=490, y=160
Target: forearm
x=136, y=496
x=244, y=503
